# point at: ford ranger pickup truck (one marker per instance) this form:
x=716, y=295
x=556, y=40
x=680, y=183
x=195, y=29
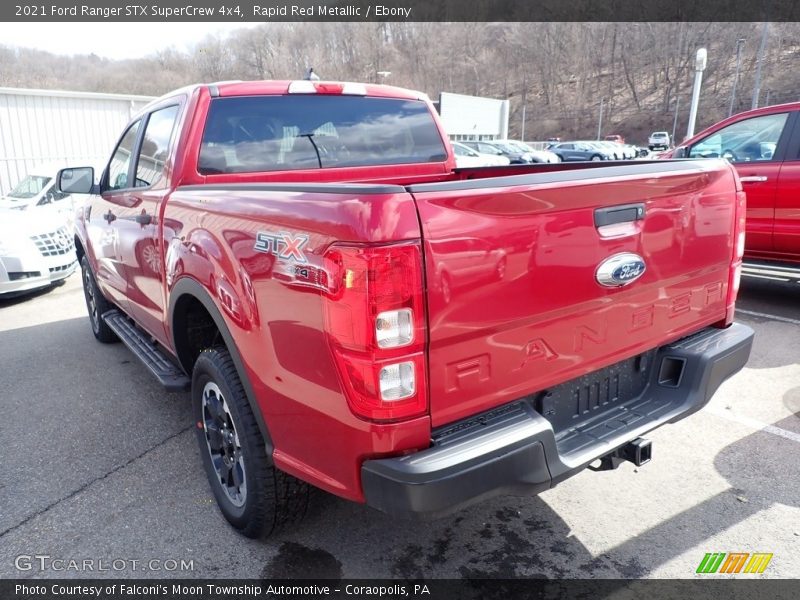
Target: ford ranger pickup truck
x=764, y=147
x=351, y=311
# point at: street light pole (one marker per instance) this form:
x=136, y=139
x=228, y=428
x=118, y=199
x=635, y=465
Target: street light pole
x=524, y=106
x=761, y=48
x=675, y=119
x=699, y=66
x=600, y=121
x=739, y=43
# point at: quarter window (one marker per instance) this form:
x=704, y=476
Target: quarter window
x=120, y=163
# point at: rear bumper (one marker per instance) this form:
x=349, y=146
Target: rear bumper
x=514, y=449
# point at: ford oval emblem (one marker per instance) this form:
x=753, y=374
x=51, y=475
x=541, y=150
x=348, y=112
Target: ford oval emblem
x=620, y=269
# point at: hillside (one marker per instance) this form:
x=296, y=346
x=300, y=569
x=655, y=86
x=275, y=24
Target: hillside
x=561, y=70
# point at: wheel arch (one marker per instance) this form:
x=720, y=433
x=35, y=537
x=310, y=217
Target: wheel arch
x=185, y=296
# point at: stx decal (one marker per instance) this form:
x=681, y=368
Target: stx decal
x=283, y=245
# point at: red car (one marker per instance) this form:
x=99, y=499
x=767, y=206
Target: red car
x=764, y=147
x=350, y=311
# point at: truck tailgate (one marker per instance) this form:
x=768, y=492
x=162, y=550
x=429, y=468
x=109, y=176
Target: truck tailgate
x=511, y=263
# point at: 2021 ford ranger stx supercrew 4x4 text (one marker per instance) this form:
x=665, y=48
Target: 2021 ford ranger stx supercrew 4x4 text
x=351, y=311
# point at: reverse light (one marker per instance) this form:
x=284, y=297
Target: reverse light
x=397, y=382
x=375, y=321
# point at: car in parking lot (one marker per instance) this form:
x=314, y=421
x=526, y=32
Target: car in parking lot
x=466, y=157
x=579, y=151
x=515, y=155
x=538, y=156
x=37, y=189
x=37, y=249
x=658, y=140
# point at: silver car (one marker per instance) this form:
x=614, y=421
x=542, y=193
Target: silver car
x=37, y=249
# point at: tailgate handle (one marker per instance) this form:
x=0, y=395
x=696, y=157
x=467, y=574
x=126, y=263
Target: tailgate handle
x=612, y=215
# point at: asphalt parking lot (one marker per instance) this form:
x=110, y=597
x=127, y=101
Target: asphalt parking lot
x=99, y=463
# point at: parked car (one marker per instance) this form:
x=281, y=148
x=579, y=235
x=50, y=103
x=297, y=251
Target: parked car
x=37, y=249
x=514, y=155
x=37, y=189
x=537, y=156
x=658, y=140
x=466, y=157
x=764, y=147
x=615, y=137
x=296, y=285
x=618, y=151
x=577, y=151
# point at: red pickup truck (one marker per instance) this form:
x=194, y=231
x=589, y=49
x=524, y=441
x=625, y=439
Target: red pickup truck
x=351, y=311
x=764, y=146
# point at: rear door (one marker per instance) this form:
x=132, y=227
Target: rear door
x=141, y=250
x=532, y=313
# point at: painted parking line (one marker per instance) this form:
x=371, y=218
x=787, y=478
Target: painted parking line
x=754, y=423
x=754, y=313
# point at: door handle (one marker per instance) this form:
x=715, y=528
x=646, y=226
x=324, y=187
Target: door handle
x=753, y=179
x=109, y=216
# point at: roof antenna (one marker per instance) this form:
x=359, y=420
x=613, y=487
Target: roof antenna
x=310, y=75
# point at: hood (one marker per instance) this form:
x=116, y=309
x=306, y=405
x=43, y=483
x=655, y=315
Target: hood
x=23, y=223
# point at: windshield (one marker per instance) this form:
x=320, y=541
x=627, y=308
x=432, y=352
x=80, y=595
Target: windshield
x=29, y=187
x=269, y=133
x=523, y=146
x=506, y=147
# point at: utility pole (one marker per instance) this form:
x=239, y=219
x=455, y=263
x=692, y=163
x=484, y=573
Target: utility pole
x=699, y=66
x=675, y=119
x=600, y=120
x=739, y=43
x=524, y=105
x=760, y=60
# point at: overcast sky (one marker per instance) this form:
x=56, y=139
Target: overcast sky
x=111, y=40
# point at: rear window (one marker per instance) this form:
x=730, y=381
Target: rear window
x=275, y=133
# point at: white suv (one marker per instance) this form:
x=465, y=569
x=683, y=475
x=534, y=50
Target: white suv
x=658, y=140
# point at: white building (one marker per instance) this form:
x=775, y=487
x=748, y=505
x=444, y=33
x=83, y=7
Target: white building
x=59, y=128
x=473, y=117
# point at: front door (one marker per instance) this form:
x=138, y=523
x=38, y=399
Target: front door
x=756, y=147
x=103, y=224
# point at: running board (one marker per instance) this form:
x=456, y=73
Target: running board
x=772, y=271
x=168, y=374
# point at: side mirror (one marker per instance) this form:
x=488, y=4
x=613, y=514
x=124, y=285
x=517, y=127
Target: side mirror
x=680, y=152
x=79, y=180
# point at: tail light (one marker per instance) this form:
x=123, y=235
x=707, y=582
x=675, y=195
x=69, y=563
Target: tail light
x=735, y=276
x=375, y=320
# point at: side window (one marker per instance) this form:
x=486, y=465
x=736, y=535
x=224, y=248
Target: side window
x=749, y=140
x=155, y=145
x=121, y=160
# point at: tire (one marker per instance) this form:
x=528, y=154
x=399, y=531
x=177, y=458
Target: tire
x=255, y=497
x=596, y=157
x=96, y=305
